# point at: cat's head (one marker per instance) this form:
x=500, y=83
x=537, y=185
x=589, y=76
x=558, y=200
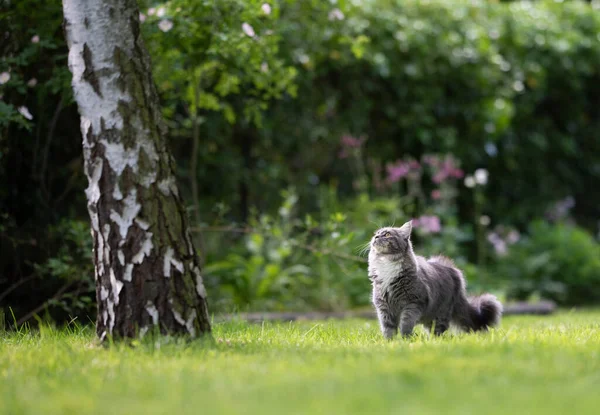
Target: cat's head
x=390, y=240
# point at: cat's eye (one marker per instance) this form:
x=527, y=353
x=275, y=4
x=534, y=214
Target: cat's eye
x=385, y=235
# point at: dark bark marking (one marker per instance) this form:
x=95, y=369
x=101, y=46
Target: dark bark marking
x=86, y=22
x=119, y=58
x=135, y=27
x=89, y=74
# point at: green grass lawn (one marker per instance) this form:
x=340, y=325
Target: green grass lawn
x=531, y=365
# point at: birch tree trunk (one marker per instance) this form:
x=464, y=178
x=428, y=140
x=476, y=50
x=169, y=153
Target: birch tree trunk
x=147, y=271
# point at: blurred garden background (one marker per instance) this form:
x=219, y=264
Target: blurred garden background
x=299, y=127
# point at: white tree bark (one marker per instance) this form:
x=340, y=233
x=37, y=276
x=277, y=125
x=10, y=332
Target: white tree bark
x=147, y=271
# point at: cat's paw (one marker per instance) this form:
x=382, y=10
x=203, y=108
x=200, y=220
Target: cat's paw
x=389, y=333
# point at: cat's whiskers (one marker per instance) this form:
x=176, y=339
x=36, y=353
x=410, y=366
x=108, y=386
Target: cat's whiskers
x=362, y=249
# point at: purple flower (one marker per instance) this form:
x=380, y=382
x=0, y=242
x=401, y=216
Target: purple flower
x=443, y=169
x=561, y=209
x=458, y=173
x=429, y=224
x=500, y=248
x=397, y=171
x=499, y=244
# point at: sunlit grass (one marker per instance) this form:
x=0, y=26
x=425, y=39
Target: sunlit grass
x=530, y=365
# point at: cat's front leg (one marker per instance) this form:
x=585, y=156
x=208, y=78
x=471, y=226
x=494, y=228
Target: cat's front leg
x=409, y=318
x=388, y=323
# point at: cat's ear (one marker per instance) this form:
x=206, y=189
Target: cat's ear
x=406, y=229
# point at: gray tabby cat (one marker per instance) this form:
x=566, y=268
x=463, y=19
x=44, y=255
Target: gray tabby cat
x=409, y=289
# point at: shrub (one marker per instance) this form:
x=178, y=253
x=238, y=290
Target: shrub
x=560, y=262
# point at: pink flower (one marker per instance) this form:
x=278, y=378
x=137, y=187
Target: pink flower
x=266, y=9
x=4, y=77
x=429, y=224
x=248, y=30
x=414, y=165
x=436, y=194
x=336, y=14
x=35, y=39
x=513, y=237
x=165, y=25
x=443, y=169
x=397, y=171
x=353, y=142
x=458, y=173
x=438, y=178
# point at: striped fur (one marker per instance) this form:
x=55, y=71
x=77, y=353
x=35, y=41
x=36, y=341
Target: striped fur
x=409, y=289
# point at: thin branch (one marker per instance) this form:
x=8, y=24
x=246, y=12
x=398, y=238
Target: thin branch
x=59, y=294
x=15, y=286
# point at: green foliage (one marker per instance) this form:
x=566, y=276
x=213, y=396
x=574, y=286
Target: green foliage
x=288, y=261
x=26, y=82
x=561, y=262
x=532, y=365
x=71, y=266
x=217, y=56
x=482, y=80
x=270, y=93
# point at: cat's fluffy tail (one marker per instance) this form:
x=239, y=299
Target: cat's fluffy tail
x=480, y=313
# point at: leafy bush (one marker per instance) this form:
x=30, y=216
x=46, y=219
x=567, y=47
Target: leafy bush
x=288, y=262
x=560, y=262
x=484, y=81
x=481, y=80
